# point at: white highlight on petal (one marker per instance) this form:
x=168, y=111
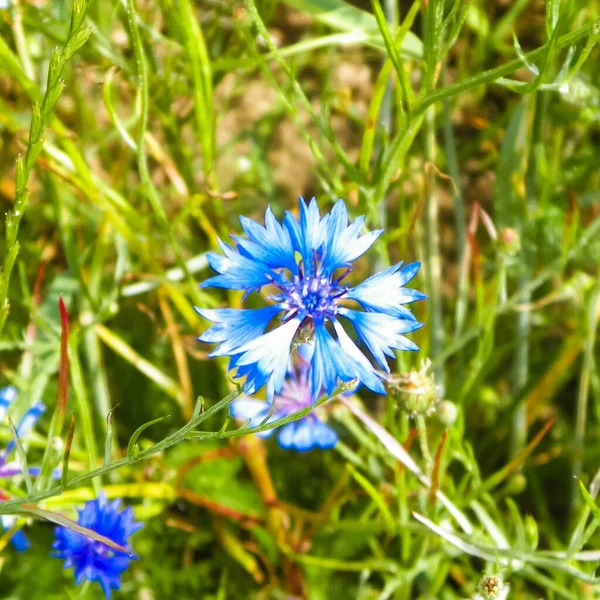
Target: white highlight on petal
x=270, y=354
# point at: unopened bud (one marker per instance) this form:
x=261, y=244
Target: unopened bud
x=416, y=390
x=58, y=445
x=447, y=413
x=509, y=242
x=516, y=484
x=489, y=587
x=531, y=532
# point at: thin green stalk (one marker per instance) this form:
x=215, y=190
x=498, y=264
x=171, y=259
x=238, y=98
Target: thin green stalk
x=433, y=264
x=520, y=371
x=200, y=66
x=492, y=75
x=433, y=268
x=394, y=158
x=521, y=368
x=424, y=443
x=83, y=406
x=142, y=159
x=95, y=365
x=351, y=170
x=92, y=349
x=323, y=171
x=178, y=436
x=77, y=36
x=20, y=39
x=590, y=332
x=520, y=295
x=384, y=118
x=184, y=433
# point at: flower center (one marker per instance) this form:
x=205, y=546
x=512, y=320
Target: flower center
x=98, y=549
x=312, y=296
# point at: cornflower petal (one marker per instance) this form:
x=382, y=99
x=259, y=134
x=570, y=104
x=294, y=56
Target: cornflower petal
x=328, y=364
x=308, y=234
x=30, y=418
x=262, y=357
x=271, y=244
x=7, y=395
x=323, y=436
x=385, y=291
x=344, y=242
x=236, y=271
x=381, y=333
x=301, y=435
x=235, y=327
x=362, y=368
x=13, y=468
x=286, y=436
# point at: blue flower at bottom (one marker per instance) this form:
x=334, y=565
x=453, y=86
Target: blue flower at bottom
x=93, y=560
x=302, y=435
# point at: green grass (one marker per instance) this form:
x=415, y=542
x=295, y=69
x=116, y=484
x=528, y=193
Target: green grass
x=132, y=134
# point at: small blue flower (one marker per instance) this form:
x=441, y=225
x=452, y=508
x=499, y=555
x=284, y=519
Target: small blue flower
x=9, y=469
x=19, y=539
x=306, y=433
x=93, y=560
x=7, y=396
x=303, y=263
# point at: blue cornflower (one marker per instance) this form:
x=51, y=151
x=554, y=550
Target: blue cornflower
x=93, y=560
x=9, y=469
x=306, y=433
x=7, y=396
x=305, y=262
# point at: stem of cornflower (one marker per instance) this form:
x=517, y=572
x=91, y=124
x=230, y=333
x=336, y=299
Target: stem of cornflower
x=424, y=442
x=83, y=590
x=254, y=453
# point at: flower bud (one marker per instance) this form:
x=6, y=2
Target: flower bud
x=531, y=532
x=509, y=242
x=447, y=413
x=416, y=390
x=489, y=587
x=58, y=445
x=516, y=484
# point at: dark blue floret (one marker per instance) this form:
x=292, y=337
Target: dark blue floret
x=93, y=560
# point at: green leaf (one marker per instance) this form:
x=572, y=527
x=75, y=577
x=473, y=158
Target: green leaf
x=55, y=68
x=342, y=16
x=132, y=447
x=22, y=457
x=509, y=206
x=78, y=40
x=70, y=524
